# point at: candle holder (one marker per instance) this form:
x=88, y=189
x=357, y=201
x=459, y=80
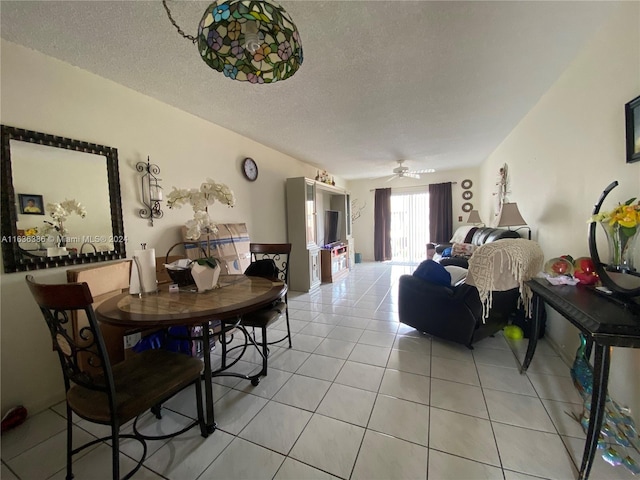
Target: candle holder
x=151, y=191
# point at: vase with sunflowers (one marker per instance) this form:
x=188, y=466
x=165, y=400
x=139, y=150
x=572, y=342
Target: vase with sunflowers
x=621, y=228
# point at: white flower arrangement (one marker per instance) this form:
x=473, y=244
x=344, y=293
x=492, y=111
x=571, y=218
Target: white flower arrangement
x=200, y=199
x=59, y=212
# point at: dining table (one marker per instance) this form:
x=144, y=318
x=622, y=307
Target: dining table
x=235, y=296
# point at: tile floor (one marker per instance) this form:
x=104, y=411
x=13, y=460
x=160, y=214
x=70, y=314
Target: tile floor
x=359, y=396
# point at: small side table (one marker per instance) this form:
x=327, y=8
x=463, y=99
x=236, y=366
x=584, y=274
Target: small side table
x=605, y=323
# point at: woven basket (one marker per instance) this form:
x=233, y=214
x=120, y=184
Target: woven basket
x=182, y=277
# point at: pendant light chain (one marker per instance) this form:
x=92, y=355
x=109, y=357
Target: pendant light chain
x=173, y=22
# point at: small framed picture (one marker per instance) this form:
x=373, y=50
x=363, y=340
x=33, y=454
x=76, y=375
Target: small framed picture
x=632, y=117
x=31, y=204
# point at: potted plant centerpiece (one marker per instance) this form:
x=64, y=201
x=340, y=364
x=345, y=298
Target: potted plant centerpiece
x=205, y=271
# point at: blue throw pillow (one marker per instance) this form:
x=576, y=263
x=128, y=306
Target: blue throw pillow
x=447, y=252
x=433, y=272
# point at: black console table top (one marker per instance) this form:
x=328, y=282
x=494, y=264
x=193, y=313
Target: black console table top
x=606, y=322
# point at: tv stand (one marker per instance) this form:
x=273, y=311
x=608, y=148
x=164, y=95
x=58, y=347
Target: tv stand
x=334, y=263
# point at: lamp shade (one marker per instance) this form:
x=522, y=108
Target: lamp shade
x=510, y=216
x=474, y=217
x=249, y=40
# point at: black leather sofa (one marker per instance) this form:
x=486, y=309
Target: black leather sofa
x=475, y=236
x=452, y=313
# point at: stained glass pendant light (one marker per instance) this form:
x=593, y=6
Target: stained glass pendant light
x=248, y=40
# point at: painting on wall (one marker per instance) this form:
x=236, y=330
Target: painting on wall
x=31, y=204
x=632, y=116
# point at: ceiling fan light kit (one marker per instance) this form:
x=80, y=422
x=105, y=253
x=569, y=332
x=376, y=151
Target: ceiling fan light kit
x=403, y=172
x=247, y=40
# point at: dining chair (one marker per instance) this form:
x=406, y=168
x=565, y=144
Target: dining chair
x=110, y=394
x=268, y=260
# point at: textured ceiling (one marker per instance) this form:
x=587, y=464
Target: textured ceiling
x=439, y=84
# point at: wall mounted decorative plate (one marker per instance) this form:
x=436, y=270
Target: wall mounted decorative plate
x=467, y=207
x=467, y=194
x=466, y=184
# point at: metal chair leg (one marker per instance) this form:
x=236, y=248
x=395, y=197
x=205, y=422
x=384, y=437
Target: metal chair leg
x=69, y=442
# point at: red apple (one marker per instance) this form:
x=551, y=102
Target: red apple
x=584, y=264
x=585, y=271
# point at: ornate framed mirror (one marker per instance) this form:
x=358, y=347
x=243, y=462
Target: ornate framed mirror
x=76, y=180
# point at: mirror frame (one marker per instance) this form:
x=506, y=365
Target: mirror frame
x=16, y=259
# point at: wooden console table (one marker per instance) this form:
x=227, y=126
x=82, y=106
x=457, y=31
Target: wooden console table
x=606, y=323
x=334, y=263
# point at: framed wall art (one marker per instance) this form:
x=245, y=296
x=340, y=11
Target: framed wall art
x=31, y=204
x=632, y=117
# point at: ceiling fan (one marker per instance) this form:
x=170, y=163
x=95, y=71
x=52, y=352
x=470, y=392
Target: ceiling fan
x=401, y=171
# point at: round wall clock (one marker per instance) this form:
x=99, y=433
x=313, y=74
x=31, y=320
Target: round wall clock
x=250, y=169
x=467, y=194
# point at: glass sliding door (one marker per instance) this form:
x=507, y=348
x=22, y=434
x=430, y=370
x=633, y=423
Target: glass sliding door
x=409, y=226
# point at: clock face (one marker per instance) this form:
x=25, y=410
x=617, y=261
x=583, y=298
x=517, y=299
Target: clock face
x=250, y=169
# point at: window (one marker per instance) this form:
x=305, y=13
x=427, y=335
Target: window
x=409, y=226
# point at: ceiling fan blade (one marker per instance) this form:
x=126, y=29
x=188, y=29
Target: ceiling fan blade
x=391, y=178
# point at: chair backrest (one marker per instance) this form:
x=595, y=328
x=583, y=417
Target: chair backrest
x=278, y=252
x=56, y=302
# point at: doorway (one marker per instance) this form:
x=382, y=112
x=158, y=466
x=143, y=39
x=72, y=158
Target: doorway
x=409, y=226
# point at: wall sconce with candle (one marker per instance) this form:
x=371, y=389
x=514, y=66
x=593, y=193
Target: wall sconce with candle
x=151, y=191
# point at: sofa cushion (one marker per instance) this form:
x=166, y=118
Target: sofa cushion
x=462, y=250
x=463, y=234
x=458, y=274
x=433, y=272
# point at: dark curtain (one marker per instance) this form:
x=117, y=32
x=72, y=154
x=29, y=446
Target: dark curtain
x=382, y=225
x=440, y=212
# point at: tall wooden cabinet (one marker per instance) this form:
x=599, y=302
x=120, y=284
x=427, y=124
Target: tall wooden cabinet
x=307, y=202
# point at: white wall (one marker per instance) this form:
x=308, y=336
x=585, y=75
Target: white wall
x=362, y=192
x=42, y=94
x=561, y=156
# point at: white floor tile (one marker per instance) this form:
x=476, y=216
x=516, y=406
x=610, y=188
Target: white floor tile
x=518, y=410
x=458, y=397
x=493, y=356
x=349, y=404
x=522, y=450
x=303, y=392
x=443, y=466
x=286, y=359
x=505, y=379
x=269, y=430
x=329, y=444
x=346, y=334
x=416, y=344
x=553, y=387
x=97, y=465
x=401, y=459
x=360, y=375
x=294, y=470
x=305, y=343
x=401, y=418
x=49, y=456
x=455, y=370
x=463, y=435
x=242, y=459
x=407, y=386
x=377, y=338
x=332, y=347
x=322, y=367
x=185, y=457
x=236, y=409
x=369, y=354
x=33, y=431
x=410, y=362
x=269, y=384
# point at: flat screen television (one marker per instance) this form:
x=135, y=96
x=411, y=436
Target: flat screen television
x=331, y=227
